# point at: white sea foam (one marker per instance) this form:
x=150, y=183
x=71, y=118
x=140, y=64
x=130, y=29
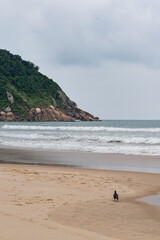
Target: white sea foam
x=81, y=138
x=11, y=136
x=138, y=150
x=95, y=137
x=79, y=128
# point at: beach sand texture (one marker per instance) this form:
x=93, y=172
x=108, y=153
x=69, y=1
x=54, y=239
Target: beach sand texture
x=40, y=202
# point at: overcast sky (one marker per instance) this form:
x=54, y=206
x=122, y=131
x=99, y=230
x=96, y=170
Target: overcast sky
x=105, y=54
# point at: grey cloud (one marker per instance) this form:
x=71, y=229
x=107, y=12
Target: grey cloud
x=83, y=32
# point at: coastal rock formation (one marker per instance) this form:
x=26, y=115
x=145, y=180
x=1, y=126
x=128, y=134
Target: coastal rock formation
x=28, y=95
x=48, y=114
x=52, y=114
x=10, y=97
x=7, y=116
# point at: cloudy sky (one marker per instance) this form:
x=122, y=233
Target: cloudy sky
x=105, y=54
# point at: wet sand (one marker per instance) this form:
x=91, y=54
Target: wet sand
x=81, y=159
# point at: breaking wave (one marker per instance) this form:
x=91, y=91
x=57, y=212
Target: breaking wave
x=79, y=128
x=104, y=137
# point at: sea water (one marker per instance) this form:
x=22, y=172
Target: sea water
x=153, y=200
x=109, y=136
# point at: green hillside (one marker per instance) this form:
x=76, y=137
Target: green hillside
x=29, y=87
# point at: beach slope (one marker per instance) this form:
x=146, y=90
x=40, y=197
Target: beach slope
x=41, y=202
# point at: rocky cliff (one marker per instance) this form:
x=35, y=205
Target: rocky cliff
x=28, y=95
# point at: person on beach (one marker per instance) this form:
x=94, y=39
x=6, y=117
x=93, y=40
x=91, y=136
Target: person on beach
x=115, y=196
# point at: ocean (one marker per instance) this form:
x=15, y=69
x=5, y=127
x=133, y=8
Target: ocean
x=108, y=136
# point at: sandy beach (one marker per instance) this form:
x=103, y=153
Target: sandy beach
x=62, y=203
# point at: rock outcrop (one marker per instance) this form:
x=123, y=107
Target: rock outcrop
x=10, y=97
x=48, y=114
x=52, y=114
x=70, y=112
x=7, y=116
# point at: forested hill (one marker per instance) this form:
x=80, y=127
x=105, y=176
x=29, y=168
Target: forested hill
x=28, y=95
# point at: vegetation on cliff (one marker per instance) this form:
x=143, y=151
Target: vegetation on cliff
x=23, y=90
x=29, y=87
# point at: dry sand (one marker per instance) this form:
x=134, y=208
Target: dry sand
x=40, y=202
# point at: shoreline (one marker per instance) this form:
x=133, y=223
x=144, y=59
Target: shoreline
x=79, y=159
x=75, y=151
x=74, y=203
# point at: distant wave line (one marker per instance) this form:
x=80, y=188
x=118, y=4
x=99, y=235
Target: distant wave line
x=79, y=128
x=11, y=136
